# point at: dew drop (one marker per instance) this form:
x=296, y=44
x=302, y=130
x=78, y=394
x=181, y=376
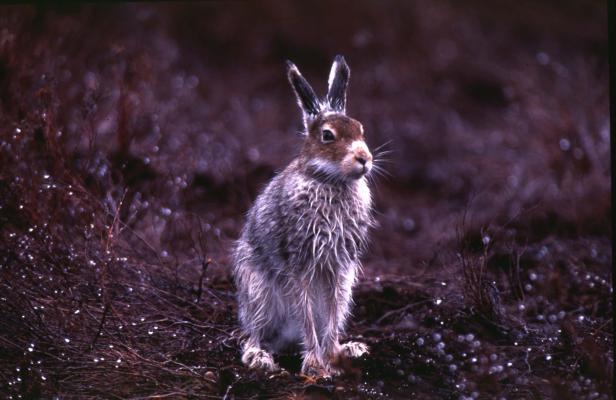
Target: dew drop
x=564, y=144
x=542, y=58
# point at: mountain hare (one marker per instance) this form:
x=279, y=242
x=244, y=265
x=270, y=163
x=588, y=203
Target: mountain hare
x=298, y=255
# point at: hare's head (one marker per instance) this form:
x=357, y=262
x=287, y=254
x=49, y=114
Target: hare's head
x=334, y=146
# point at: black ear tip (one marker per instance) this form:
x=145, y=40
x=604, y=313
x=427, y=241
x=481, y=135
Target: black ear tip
x=340, y=59
x=290, y=65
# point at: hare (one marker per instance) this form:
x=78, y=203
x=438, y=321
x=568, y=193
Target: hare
x=298, y=256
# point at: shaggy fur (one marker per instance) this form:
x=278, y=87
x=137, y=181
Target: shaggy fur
x=298, y=255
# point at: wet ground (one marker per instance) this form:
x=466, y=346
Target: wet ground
x=134, y=138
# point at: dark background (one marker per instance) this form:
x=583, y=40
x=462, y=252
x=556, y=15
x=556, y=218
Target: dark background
x=134, y=137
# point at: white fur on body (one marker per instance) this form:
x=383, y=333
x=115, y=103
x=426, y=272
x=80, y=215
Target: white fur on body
x=295, y=265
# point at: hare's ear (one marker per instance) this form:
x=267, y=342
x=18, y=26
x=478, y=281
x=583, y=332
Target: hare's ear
x=306, y=98
x=337, y=84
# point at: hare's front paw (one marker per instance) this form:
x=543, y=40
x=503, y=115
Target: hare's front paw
x=257, y=358
x=354, y=349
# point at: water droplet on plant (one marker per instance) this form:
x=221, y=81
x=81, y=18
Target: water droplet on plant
x=542, y=58
x=564, y=144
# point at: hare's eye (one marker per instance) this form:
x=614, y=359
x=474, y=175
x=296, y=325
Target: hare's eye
x=328, y=136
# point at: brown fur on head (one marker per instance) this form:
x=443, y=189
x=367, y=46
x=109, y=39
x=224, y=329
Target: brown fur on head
x=335, y=147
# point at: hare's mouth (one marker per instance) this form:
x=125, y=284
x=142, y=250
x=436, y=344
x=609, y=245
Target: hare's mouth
x=349, y=168
x=359, y=169
x=366, y=167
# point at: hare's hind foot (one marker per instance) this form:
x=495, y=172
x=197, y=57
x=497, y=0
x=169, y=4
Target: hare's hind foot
x=354, y=349
x=256, y=358
x=312, y=366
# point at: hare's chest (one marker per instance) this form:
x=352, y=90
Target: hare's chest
x=331, y=224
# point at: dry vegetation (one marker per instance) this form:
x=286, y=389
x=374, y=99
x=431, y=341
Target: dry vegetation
x=134, y=137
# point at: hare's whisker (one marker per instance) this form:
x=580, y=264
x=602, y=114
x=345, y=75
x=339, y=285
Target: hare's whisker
x=383, y=145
